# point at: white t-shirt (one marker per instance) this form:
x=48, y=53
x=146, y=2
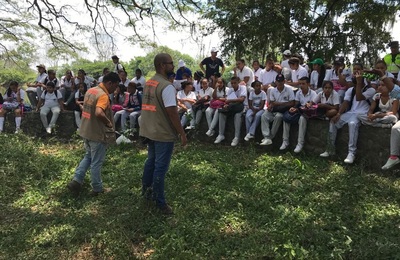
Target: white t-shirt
x=169, y=96
x=246, y=72
x=314, y=79
x=41, y=78
x=181, y=94
x=387, y=107
x=222, y=93
x=267, y=77
x=257, y=98
x=87, y=80
x=207, y=92
x=359, y=107
x=257, y=73
x=14, y=96
x=286, y=95
x=139, y=82
x=331, y=75
x=299, y=73
x=125, y=83
x=50, y=99
x=303, y=99
x=67, y=83
x=285, y=64
x=332, y=100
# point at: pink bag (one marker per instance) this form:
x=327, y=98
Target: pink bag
x=116, y=108
x=215, y=103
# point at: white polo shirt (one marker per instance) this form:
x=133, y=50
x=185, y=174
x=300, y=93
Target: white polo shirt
x=246, y=72
x=299, y=73
x=359, y=107
x=267, y=77
x=286, y=95
x=303, y=99
x=257, y=98
x=332, y=100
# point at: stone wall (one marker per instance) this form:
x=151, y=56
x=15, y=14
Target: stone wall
x=373, y=143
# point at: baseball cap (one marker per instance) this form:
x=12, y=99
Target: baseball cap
x=280, y=78
x=287, y=53
x=213, y=49
x=181, y=64
x=41, y=66
x=114, y=57
x=317, y=61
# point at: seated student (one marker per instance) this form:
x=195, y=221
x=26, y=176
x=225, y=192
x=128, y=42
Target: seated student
x=218, y=100
x=51, y=77
x=139, y=80
x=124, y=78
x=186, y=98
x=51, y=100
x=234, y=104
x=197, y=76
x=355, y=103
x=304, y=98
x=132, y=108
x=281, y=99
x=268, y=75
x=67, y=86
x=12, y=101
x=203, y=99
x=79, y=97
x=32, y=87
x=383, y=110
x=257, y=99
x=119, y=98
x=381, y=65
x=298, y=72
x=340, y=77
x=105, y=72
x=317, y=75
x=327, y=100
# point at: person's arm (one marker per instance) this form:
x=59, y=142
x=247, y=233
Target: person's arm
x=359, y=86
x=176, y=123
x=370, y=113
x=222, y=69
x=343, y=108
x=395, y=108
x=39, y=104
x=61, y=103
x=201, y=65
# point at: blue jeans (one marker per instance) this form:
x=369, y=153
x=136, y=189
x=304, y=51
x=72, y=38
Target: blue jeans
x=155, y=168
x=94, y=158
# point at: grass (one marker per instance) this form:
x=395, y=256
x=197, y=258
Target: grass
x=229, y=204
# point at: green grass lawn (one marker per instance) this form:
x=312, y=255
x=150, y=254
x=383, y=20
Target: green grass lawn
x=229, y=203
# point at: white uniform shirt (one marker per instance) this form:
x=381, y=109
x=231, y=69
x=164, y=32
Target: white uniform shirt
x=181, y=94
x=246, y=72
x=299, y=73
x=139, y=82
x=257, y=98
x=314, y=79
x=50, y=99
x=257, y=74
x=67, y=83
x=359, y=107
x=332, y=100
x=267, y=77
x=286, y=95
x=207, y=92
x=303, y=99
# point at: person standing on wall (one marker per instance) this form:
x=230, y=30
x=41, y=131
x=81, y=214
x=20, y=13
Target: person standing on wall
x=98, y=131
x=160, y=126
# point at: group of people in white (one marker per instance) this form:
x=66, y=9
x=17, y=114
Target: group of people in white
x=287, y=93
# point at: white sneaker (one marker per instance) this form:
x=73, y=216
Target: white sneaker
x=350, y=158
x=210, y=132
x=266, y=141
x=325, y=154
x=48, y=130
x=248, y=137
x=18, y=130
x=390, y=163
x=189, y=127
x=235, y=141
x=284, y=145
x=219, y=139
x=298, y=148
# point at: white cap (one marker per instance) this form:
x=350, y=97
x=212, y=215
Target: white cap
x=213, y=49
x=287, y=53
x=181, y=64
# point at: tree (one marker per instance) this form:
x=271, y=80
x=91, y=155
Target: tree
x=255, y=28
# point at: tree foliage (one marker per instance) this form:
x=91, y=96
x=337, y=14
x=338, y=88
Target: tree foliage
x=318, y=28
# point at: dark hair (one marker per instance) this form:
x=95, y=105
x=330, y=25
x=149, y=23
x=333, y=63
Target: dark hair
x=9, y=90
x=112, y=76
x=51, y=72
x=381, y=61
x=359, y=64
x=185, y=84
x=105, y=69
x=235, y=78
x=199, y=74
x=326, y=83
x=321, y=76
x=294, y=60
x=253, y=84
x=131, y=84
x=50, y=84
x=82, y=70
x=139, y=70
x=307, y=79
x=242, y=61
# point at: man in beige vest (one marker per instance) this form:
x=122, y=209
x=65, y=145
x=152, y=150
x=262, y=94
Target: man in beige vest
x=161, y=127
x=98, y=131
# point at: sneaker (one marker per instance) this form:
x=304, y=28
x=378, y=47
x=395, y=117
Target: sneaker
x=166, y=210
x=75, y=187
x=266, y=141
x=350, y=158
x=189, y=127
x=48, y=130
x=18, y=130
x=284, y=145
x=235, y=141
x=386, y=125
x=97, y=193
x=390, y=163
x=325, y=154
x=298, y=148
x=248, y=137
x=210, y=132
x=219, y=139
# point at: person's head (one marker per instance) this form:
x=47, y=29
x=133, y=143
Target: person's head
x=240, y=64
x=317, y=64
x=131, y=87
x=13, y=86
x=187, y=86
x=122, y=75
x=220, y=83
x=338, y=62
x=304, y=83
x=327, y=88
x=204, y=83
x=50, y=87
x=269, y=64
x=115, y=59
x=106, y=71
x=82, y=87
x=111, y=81
x=358, y=67
x=381, y=65
x=163, y=64
x=198, y=75
x=280, y=81
x=294, y=63
x=287, y=54
x=256, y=85
x=235, y=83
x=68, y=74
x=383, y=89
x=256, y=65
x=394, y=47
x=171, y=77
x=41, y=68
x=81, y=73
x=138, y=73
x=214, y=52
x=51, y=74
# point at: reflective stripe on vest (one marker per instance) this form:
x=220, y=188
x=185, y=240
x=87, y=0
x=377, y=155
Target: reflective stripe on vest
x=147, y=107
